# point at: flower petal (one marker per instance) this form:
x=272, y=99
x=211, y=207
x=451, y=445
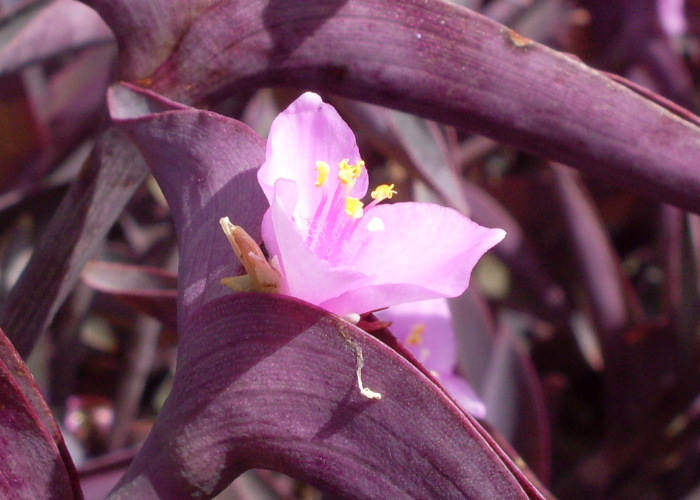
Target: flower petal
x=306, y=276
x=425, y=251
x=463, y=393
x=425, y=328
x=308, y=131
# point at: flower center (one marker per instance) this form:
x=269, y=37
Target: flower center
x=338, y=215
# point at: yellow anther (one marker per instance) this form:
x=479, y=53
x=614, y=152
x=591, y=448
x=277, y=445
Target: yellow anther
x=383, y=192
x=353, y=207
x=348, y=173
x=323, y=169
x=415, y=337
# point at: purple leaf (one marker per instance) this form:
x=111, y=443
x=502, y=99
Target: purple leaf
x=515, y=402
x=149, y=290
x=94, y=202
x=62, y=26
x=267, y=381
x=206, y=165
x=431, y=58
x=35, y=462
x=600, y=266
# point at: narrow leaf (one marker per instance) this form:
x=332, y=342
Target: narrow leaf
x=109, y=178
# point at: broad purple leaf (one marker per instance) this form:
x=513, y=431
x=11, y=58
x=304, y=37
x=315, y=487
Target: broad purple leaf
x=111, y=175
x=62, y=26
x=270, y=382
x=206, y=165
x=35, y=462
x=430, y=58
x=149, y=290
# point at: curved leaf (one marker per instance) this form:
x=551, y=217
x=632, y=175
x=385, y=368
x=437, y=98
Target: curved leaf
x=62, y=26
x=267, y=381
x=35, y=462
x=430, y=58
x=206, y=165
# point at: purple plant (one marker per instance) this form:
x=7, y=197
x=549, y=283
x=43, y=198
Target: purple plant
x=132, y=132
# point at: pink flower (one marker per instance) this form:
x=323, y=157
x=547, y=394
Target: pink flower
x=332, y=250
x=425, y=328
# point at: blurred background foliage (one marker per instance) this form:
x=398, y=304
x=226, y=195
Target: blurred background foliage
x=580, y=331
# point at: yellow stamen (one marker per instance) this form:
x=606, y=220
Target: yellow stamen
x=415, y=337
x=323, y=169
x=349, y=173
x=353, y=207
x=383, y=192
